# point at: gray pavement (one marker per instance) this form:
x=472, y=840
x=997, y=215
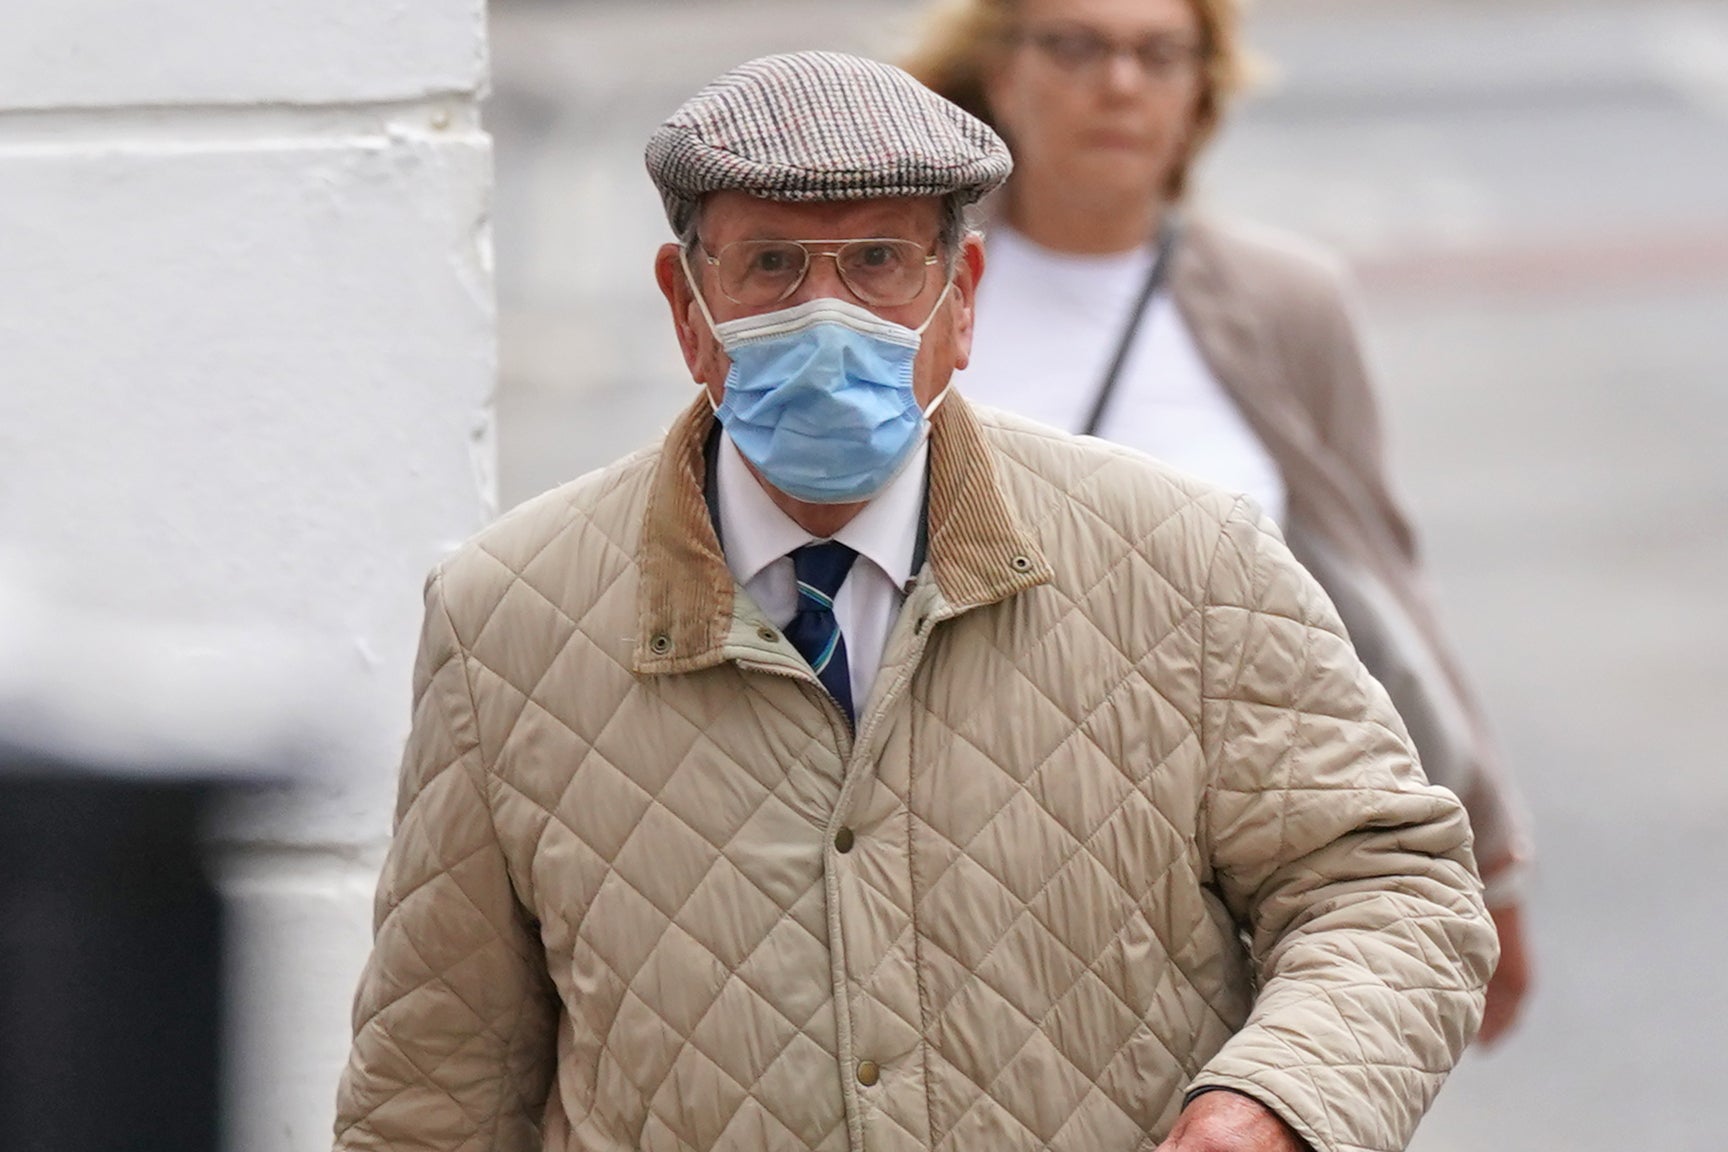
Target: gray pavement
x=1535, y=199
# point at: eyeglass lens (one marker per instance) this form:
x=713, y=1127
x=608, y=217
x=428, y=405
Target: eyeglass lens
x=882, y=272
x=1160, y=55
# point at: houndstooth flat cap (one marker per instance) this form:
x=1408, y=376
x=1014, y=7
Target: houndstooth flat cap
x=821, y=126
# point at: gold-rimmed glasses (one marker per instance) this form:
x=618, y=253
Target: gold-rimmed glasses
x=883, y=272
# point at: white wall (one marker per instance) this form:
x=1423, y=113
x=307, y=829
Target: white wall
x=246, y=364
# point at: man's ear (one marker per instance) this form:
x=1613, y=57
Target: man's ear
x=675, y=286
x=968, y=271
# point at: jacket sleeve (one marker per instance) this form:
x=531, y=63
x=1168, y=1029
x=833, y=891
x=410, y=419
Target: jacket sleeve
x=1347, y=416
x=1352, y=876
x=454, y=1016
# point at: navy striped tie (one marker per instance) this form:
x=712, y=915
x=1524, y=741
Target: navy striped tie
x=821, y=569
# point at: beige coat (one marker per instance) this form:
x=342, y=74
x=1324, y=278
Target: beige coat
x=1270, y=320
x=1123, y=817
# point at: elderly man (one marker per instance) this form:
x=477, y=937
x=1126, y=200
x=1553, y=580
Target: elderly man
x=855, y=770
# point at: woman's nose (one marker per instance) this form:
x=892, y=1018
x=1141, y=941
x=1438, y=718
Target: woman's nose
x=1123, y=73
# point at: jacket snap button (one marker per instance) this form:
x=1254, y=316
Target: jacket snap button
x=1022, y=564
x=843, y=840
x=661, y=644
x=868, y=1073
x=767, y=635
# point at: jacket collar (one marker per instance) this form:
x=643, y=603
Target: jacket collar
x=979, y=553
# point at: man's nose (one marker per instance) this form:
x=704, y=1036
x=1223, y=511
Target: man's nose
x=822, y=280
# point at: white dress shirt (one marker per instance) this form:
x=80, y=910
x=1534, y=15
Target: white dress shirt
x=1048, y=323
x=757, y=537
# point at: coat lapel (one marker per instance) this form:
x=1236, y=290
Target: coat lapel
x=1231, y=337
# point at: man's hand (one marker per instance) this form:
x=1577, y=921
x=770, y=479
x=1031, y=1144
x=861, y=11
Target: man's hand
x=1225, y=1121
x=1511, y=979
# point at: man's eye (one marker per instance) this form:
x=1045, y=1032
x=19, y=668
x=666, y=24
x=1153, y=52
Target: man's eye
x=773, y=262
x=875, y=258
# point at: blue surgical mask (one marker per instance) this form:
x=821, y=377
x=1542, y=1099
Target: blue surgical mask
x=819, y=397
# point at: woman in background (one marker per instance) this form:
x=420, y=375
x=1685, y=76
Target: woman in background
x=1222, y=349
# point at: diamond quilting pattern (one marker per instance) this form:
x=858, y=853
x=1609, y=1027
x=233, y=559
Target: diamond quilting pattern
x=730, y=914
x=1031, y=912
x=665, y=859
x=1022, y=847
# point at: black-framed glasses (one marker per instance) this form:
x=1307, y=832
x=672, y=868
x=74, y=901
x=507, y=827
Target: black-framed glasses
x=1162, y=56
x=881, y=271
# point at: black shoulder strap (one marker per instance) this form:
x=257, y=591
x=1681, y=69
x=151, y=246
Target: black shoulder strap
x=711, y=481
x=1154, y=279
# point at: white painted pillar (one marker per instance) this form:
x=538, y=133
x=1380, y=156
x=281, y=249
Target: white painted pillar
x=246, y=366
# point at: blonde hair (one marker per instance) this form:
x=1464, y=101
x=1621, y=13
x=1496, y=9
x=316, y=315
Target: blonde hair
x=964, y=41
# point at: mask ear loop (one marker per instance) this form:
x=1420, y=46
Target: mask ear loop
x=696, y=291
x=936, y=402
x=935, y=308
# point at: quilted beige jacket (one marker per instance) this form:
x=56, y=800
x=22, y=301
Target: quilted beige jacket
x=1123, y=817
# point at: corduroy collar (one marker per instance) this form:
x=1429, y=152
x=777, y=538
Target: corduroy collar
x=978, y=551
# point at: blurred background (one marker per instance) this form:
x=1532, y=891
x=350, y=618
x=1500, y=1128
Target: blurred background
x=1533, y=195
x=248, y=354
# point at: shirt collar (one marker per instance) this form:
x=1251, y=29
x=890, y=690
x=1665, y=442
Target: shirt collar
x=757, y=533
x=979, y=554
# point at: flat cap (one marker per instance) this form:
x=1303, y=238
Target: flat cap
x=821, y=126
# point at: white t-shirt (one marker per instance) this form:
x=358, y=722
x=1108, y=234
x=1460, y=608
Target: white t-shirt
x=1048, y=324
